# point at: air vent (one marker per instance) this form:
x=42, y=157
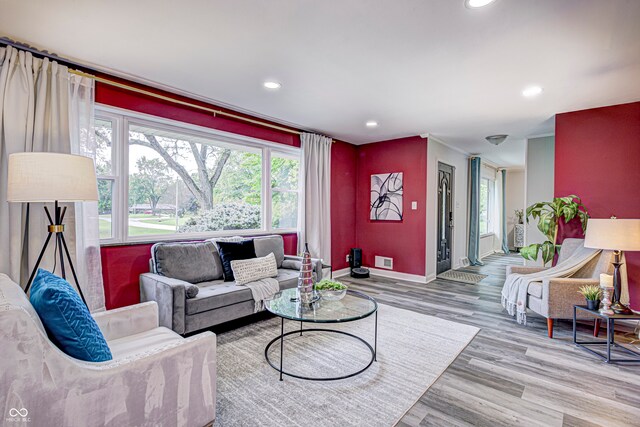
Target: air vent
x=384, y=262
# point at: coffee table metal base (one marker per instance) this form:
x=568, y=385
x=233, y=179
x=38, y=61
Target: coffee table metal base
x=333, y=331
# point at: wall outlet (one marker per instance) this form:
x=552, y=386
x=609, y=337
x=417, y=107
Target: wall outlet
x=414, y=206
x=347, y=258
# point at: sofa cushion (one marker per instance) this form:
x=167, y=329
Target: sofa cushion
x=143, y=342
x=216, y=294
x=287, y=278
x=231, y=251
x=67, y=319
x=535, y=289
x=265, y=245
x=192, y=262
x=250, y=270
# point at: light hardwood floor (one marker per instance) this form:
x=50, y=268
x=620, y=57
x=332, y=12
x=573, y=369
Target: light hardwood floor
x=511, y=374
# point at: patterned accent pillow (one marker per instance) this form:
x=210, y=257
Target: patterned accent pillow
x=250, y=270
x=67, y=319
x=232, y=251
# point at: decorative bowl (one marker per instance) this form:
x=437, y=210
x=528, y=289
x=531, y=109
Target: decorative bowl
x=330, y=290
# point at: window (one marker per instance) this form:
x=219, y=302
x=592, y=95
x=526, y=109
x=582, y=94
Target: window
x=487, y=190
x=284, y=191
x=105, y=172
x=176, y=179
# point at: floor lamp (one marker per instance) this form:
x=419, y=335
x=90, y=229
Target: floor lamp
x=52, y=177
x=617, y=235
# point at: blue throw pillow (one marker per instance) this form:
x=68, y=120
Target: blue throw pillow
x=67, y=319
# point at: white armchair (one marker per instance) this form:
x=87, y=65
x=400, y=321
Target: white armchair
x=156, y=376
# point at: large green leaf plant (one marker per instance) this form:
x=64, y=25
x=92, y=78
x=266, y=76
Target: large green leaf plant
x=548, y=215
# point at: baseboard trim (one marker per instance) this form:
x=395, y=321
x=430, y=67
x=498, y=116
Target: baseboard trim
x=388, y=274
x=398, y=275
x=495, y=251
x=342, y=272
x=431, y=277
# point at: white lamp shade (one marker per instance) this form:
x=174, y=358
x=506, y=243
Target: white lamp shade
x=613, y=234
x=47, y=177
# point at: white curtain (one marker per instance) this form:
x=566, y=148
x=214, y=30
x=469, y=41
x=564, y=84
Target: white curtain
x=315, y=204
x=43, y=108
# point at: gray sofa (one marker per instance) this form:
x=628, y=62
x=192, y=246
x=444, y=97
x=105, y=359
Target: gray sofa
x=187, y=283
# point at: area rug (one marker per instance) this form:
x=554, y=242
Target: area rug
x=461, y=276
x=413, y=351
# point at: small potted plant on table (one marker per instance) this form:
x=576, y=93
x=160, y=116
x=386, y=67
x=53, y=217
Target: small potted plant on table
x=592, y=294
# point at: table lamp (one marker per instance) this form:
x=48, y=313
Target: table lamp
x=52, y=177
x=617, y=235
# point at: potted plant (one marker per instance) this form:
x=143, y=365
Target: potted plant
x=519, y=215
x=548, y=215
x=592, y=294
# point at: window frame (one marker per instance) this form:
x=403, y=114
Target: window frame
x=121, y=120
x=491, y=190
x=272, y=190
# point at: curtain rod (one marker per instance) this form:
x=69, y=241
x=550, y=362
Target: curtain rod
x=215, y=112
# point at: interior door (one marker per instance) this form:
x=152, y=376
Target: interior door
x=445, y=216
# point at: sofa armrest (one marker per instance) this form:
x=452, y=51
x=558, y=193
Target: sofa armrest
x=561, y=294
x=126, y=321
x=295, y=264
x=171, y=296
x=520, y=269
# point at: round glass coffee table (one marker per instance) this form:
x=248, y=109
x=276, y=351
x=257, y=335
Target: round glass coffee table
x=354, y=306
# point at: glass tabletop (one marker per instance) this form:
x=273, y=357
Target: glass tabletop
x=355, y=305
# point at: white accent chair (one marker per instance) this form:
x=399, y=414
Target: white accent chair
x=554, y=298
x=156, y=376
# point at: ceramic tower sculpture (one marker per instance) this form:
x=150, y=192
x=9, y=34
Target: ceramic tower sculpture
x=305, y=280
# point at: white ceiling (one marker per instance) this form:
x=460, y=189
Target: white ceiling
x=415, y=66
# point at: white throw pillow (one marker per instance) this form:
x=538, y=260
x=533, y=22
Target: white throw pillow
x=250, y=270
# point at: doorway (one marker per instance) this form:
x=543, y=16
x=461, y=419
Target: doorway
x=445, y=216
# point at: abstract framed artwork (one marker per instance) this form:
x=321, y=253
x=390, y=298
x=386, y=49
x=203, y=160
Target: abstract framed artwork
x=386, y=197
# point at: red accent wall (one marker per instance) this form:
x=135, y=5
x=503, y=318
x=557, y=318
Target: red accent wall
x=115, y=97
x=404, y=241
x=122, y=266
x=344, y=163
x=597, y=158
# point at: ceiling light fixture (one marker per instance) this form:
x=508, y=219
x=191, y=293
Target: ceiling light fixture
x=496, y=139
x=270, y=84
x=371, y=124
x=532, y=91
x=474, y=4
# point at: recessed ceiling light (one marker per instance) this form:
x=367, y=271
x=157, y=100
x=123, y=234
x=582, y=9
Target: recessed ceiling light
x=371, y=124
x=270, y=84
x=473, y=4
x=532, y=91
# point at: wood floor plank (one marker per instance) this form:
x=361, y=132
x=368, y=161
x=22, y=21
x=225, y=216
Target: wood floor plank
x=510, y=374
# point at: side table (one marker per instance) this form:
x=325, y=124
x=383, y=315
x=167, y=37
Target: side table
x=610, y=341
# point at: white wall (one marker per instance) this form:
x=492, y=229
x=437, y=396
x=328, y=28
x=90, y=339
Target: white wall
x=487, y=245
x=514, y=199
x=539, y=181
x=437, y=152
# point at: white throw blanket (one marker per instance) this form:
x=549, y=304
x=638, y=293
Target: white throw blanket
x=514, y=291
x=261, y=290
